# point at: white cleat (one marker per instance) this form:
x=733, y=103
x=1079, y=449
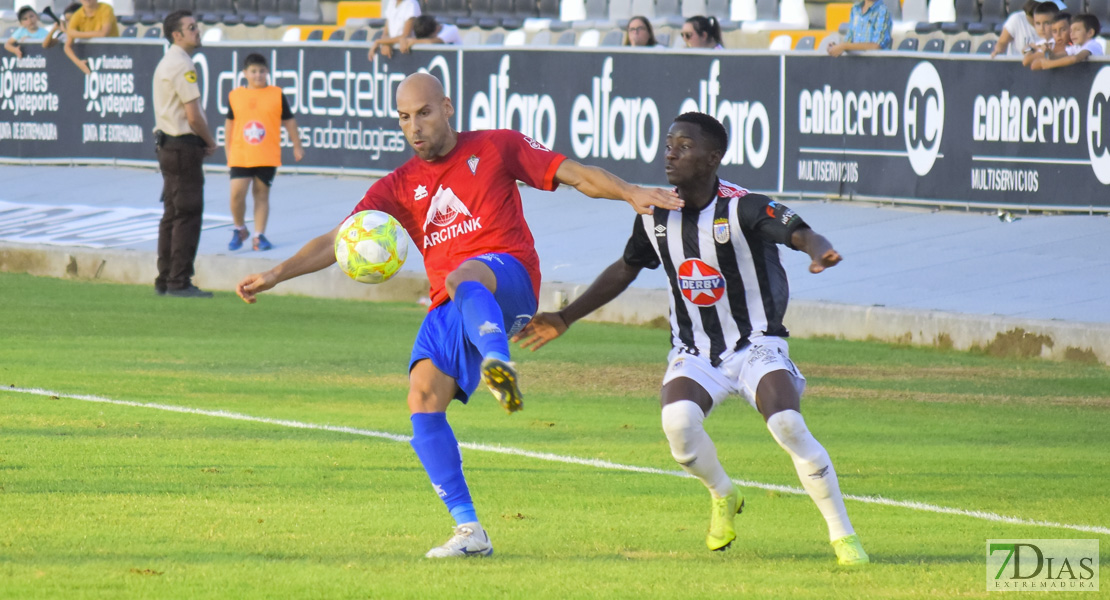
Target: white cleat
x=469, y=540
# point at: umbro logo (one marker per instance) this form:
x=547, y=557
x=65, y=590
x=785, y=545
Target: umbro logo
x=420, y=193
x=660, y=230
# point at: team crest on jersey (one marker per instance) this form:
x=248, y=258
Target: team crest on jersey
x=700, y=283
x=720, y=230
x=254, y=133
x=472, y=162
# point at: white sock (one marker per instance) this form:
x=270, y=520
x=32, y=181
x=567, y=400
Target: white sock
x=815, y=470
x=692, y=448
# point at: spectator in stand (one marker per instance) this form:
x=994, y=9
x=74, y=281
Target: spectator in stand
x=1083, y=29
x=426, y=30
x=869, y=26
x=94, y=20
x=1017, y=32
x=639, y=33
x=702, y=32
x=1043, y=17
x=399, y=16
x=57, y=33
x=30, y=30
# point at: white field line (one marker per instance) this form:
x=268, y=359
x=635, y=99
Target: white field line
x=589, y=462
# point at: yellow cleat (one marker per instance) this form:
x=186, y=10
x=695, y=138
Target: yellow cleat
x=500, y=377
x=722, y=526
x=849, y=551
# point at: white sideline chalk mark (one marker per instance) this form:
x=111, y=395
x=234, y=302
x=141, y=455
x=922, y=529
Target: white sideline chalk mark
x=589, y=462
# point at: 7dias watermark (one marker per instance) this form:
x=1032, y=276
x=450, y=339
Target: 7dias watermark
x=1042, y=565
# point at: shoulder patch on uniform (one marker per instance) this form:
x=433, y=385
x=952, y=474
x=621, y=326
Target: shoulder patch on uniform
x=191, y=76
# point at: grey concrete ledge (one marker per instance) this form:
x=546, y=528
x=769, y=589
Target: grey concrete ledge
x=1056, y=340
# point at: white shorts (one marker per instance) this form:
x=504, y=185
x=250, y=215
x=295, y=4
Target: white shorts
x=740, y=373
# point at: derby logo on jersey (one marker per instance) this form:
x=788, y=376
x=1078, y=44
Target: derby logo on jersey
x=254, y=133
x=700, y=283
x=443, y=210
x=419, y=193
x=720, y=231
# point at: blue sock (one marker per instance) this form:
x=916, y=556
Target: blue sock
x=438, y=450
x=482, y=319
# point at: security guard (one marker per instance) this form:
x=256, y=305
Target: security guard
x=183, y=140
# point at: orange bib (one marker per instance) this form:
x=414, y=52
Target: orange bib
x=256, y=140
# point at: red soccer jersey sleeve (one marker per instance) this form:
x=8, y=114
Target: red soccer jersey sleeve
x=466, y=203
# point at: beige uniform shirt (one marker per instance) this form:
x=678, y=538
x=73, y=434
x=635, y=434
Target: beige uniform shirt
x=175, y=84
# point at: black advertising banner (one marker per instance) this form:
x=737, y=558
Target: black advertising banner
x=948, y=130
x=50, y=109
x=343, y=102
x=612, y=108
x=901, y=126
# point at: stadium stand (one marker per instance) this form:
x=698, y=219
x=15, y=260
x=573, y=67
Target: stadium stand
x=986, y=47
x=908, y=45
x=805, y=43
x=337, y=36
x=960, y=47
x=359, y=35
x=153, y=32
x=934, y=45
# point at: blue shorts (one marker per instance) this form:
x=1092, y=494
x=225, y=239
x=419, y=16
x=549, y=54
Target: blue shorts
x=442, y=337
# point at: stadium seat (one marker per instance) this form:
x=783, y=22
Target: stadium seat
x=377, y=35
x=933, y=45
x=290, y=11
x=184, y=5
x=567, y=38
x=272, y=21
x=590, y=38
x=162, y=8
x=482, y=12
x=723, y=11
x=433, y=7
x=993, y=13
x=337, y=35
x=472, y=37
x=663, y=39
x=766, y=10
x=805, y=43
x=915, y=11
x=315, y=35
x=960, y=47
x=620, y=10
x=942, y=11
x=572, y=10
x=781, y=42
x=967, y=18
x=908, y=45
x=153, y=33
x=549, y=9
x=828, y=40
x=267, y=8
x=128, y=32
x=614, y=37
x=986, y=47
x=293, y=34
x=1100, y=9
x=516, y=38
x=743, y=11
x=212, y=34
x=668, y=12
x=456, y=10
x=644, y=8
x=496, y=38
x=359, y=35
x=542, y=38
x=693, y=8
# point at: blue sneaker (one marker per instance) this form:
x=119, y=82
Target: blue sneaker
x=237, y=237
x=261, y=243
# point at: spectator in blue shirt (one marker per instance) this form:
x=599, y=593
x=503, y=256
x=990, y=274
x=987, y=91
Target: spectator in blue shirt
x=868, y=28
x=30, y=30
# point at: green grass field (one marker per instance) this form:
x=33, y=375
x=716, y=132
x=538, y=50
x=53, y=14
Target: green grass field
x=102, y=500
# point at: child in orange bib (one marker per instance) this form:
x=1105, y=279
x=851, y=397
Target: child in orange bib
x=255, y=115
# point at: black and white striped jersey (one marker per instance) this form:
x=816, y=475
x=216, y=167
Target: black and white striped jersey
x=722, y=262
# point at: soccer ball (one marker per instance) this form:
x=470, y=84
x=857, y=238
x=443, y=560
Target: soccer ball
x=371, y=246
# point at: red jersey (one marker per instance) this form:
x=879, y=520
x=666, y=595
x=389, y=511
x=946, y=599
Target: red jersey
x=466, y=203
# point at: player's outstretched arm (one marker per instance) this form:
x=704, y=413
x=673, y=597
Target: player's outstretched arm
x=819, y=249
x=318, y=253
x=599, y=183
x=545, y=327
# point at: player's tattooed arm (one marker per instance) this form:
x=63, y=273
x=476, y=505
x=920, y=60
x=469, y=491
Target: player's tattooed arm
x=599, y=183
x=819, y=249
x=545, y=327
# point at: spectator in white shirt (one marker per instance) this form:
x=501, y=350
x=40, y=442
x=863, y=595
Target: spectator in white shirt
x=399, y=15
x=425, y=30
x=1084, y=28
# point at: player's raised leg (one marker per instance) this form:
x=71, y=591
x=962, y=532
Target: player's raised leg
x=430, y=391
x=779, y=401
x=685, y=406
x=491, y=292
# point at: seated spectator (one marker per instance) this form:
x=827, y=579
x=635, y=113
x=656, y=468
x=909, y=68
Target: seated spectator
x=639, y=33
x=94, y=20
x=30, y=30
x=1083, y=30
x=869, y=25
x=702, y=32
x=1018, y=32
x=399, y=16
x=425, y=30
x=58, y=31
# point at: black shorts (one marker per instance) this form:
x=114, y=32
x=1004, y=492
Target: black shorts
x=264, y=174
